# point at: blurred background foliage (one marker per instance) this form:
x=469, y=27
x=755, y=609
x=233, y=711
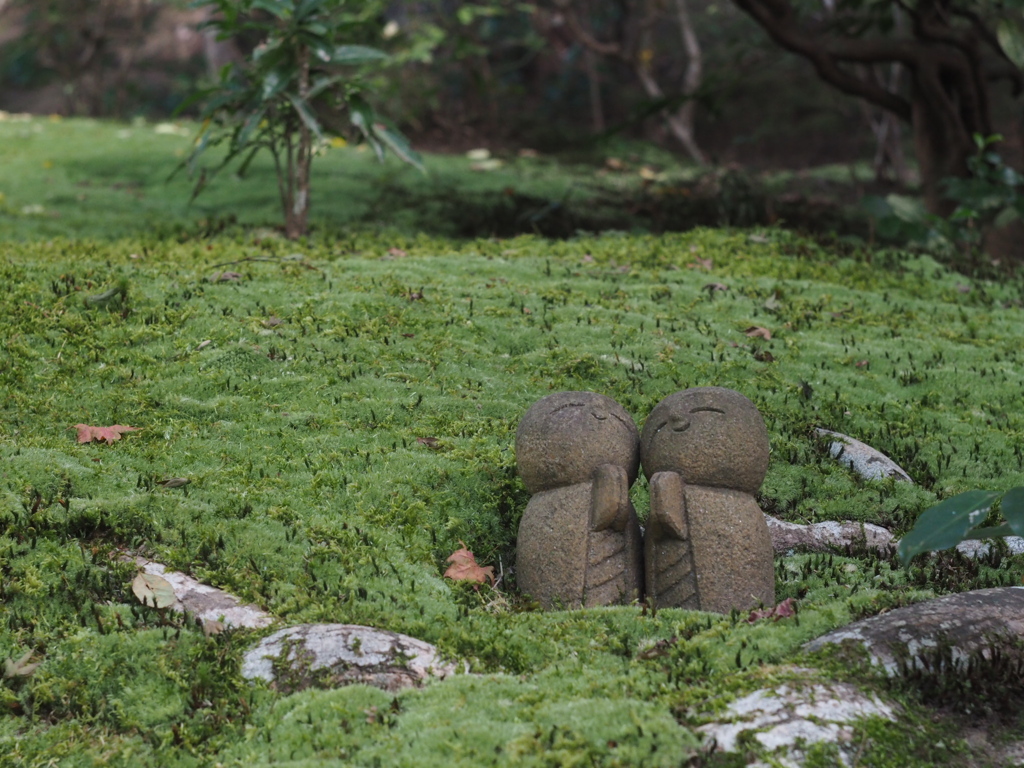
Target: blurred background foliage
x=722, y=85
x=472, y=73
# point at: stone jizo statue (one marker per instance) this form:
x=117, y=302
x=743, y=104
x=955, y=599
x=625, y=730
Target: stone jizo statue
x=579, y=540
x=707, y=546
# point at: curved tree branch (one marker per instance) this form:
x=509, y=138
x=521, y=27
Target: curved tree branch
x=779, y=20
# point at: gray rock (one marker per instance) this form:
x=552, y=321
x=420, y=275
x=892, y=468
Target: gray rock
x=333, y=655
x=707, y=546
x=862, y=458
x=579, y=541
x=968, y=621
x=788, y=718
x=830, y=534
x=972, y=548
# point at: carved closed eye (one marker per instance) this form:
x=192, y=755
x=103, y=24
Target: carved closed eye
x=707, y=408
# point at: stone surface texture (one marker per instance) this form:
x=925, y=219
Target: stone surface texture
x=820, y=537
x=972, y=548
x=968, y=621
x=861, y=457
x=789, y=717
x=707, y=547
x=579, y=541
x=209, y=604
x=333, y=655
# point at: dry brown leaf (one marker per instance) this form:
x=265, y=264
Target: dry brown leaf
x=758, y=332
x=430, y=442
x=465, y=568
x=224, y=277
x=86, y=433
x=715, y=287
x=784, y=610
x=701, y=264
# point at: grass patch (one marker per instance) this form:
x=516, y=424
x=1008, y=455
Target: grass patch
x=345, y=416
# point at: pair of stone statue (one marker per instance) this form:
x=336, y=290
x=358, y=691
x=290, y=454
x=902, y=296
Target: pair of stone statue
x=704, y=452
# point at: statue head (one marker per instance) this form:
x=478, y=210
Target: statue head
x=710, y=435
x=564, y=437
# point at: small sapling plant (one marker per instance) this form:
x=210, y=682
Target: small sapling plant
x=958, y=519
x=297, y=78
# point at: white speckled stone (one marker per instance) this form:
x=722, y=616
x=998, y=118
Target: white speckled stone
x=830, y=534
x=332, y=655
x=206, y=603
x=788, y=717
x=972, y=548
x=862, y=458
x=967, y=620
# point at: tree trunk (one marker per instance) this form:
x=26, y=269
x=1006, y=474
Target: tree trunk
x=940, y=154
x=297, y=218
x=594, y=82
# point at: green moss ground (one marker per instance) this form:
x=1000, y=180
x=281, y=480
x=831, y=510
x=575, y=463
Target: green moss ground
x=346, y=418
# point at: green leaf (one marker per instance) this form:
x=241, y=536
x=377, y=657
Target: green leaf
x=907, y=209
x=356, y=54
x=1007, y=216
x=398, y=144
x=320, y=85
x=1010, y=33
x=1012, y=507
x=946, y=524
x=279, y=8
x=248, y=127
x=302, y=107
x=274, y=82
x=154, y=590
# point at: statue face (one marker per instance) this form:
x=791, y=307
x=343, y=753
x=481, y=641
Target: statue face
x=709, y=435
x=564, y=437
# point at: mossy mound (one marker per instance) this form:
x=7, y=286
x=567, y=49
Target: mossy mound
x=345, y=415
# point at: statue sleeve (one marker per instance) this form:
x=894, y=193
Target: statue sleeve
x=668, y=506
x=610, y=507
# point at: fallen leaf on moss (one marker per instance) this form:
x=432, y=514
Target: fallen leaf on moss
x=430, y=442
x=783, y=610
x=86, y=433
x=465, y=568
x=23, y=667
x=757, y=331
x=659, y=649
x=153, y=590
x=223, y=277
x=715, y=287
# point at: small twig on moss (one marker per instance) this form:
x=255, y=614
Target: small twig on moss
x=247, y=258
